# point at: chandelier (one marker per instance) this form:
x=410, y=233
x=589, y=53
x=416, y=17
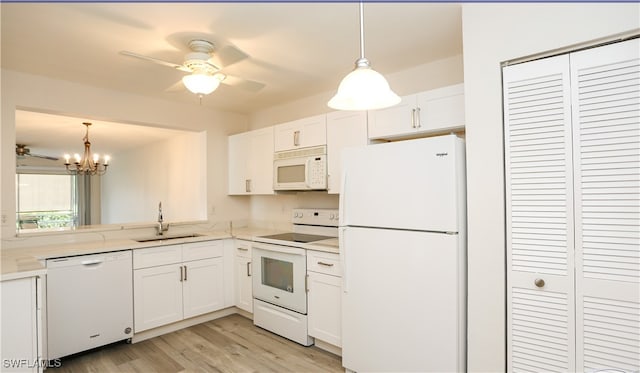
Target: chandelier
x=88, y=164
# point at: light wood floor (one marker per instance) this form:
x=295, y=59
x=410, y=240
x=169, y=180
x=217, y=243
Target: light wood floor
x=229, y=344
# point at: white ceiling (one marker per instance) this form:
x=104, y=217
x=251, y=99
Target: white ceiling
x=295, y=49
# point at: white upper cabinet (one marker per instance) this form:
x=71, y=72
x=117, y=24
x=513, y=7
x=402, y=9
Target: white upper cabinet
x=301, y=133
x=251, y=162
x=432, y=111
x=344, y=129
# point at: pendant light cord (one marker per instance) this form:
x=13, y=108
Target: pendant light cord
x=361, y=31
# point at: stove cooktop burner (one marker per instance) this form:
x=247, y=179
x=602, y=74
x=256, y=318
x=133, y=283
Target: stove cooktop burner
x=296, y=237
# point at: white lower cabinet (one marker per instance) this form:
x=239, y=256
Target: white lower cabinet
x=202, y=289
x=167, y=288
x=324, y=279
x=243, y=285
x=20, y=348
x=157, y=295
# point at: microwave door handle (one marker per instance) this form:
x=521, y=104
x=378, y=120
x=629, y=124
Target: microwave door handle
x=307, y=171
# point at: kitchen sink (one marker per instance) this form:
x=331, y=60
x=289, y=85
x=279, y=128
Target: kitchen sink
x=167, y=238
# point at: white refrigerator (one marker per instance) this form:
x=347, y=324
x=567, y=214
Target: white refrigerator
x=403, y=252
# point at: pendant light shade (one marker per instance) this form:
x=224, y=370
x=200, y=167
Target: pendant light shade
x=363, y=88
x=201, y=84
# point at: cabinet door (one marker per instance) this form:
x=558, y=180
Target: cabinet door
x=157, y=294
x=203, y=286
x=238, y=157
x=19, y=325
x=344, y=129
x=539, y=216
x=324, y=315
x=393, y=121
x=606, y=129
x=301, y=133
x=441, y=109
x=260, y=161
x=243, y=285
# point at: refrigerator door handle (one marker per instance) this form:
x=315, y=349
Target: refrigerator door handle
x=342, y=198
x=343, y=260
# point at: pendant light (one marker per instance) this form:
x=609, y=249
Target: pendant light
x=363, y=88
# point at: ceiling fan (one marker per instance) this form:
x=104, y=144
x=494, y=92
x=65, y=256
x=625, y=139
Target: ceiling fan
x=22, y=152
x=205, y=67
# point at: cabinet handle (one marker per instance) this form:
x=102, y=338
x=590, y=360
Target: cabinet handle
x=418, y=124
x=248, y=269
x=296, y=138
x=185, y=273
x=325, y=264
x=181, y=273
x=539, y=282
x=243, y=248
x=306, y=283
x=413, y=118
x=247, y=185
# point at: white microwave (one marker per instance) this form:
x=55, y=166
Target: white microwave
x=300, y=169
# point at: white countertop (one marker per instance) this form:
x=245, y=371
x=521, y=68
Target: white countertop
x=29, y=261
x=24, y=262
x=330, y=245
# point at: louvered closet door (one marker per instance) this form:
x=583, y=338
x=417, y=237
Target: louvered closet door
x=541, y=319
x=606, y=117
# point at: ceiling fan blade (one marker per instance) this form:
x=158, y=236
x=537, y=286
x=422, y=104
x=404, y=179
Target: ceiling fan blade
x=44, y=157
x=156, y=60
x=246, y=84
x=227, y=56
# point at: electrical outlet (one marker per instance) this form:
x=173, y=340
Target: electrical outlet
x=3, y=218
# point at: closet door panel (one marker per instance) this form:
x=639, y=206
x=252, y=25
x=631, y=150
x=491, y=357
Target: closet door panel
x=539, y=200
x=606, y=116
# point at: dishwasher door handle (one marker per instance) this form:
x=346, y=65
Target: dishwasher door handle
x=91, y=262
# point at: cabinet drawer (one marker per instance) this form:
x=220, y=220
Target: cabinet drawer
x=321, y=262
x=157, y=256
x=243, y=248
x=202, y=250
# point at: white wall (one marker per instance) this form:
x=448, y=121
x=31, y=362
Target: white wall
x=435, y=74
x=493, y=33
x=277, y=209
x=24, y=91
x=168, y=171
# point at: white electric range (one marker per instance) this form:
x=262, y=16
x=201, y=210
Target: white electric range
x=280, y=271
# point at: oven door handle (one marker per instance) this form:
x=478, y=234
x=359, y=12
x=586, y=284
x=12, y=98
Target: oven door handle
x=277, y=249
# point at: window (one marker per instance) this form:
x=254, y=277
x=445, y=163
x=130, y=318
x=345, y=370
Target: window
x=45, y=201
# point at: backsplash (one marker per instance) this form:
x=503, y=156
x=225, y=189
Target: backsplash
x=277, y=209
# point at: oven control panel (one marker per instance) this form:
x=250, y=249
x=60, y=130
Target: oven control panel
x=323, y=217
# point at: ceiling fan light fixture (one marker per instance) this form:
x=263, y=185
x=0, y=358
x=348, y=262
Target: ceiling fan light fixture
x=201, y=84
x=363, y=88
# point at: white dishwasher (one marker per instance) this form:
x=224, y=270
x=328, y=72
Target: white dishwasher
x=89, y=302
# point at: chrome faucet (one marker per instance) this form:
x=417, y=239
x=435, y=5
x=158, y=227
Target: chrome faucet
x=161, y=228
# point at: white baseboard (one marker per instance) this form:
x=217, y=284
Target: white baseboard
x=144, y=335
x=328, y=347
